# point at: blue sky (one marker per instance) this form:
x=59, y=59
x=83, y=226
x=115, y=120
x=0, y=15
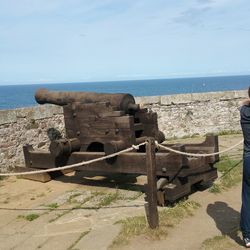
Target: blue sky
x=45, y=41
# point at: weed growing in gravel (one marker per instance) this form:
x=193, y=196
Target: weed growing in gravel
x=168, y=217
x=216, y=188
x=109, y=198
x=29, y=217
x=52, y=206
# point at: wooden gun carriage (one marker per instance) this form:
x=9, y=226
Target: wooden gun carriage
x=101, y=124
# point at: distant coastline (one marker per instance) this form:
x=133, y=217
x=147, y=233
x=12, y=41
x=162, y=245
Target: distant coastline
x=16, y=96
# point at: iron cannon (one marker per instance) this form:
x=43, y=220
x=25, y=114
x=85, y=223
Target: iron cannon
x=99, y=124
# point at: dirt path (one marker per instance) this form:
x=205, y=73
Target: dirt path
x=76, y=213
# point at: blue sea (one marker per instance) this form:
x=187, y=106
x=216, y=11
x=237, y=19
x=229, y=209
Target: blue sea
x=16, y=96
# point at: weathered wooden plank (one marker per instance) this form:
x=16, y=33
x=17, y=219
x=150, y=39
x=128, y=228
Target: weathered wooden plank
x=43, y=177
x=151, y=206
x=101, y=122
x=132, y=162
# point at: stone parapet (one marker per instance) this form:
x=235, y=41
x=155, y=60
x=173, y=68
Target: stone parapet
x=178, y=115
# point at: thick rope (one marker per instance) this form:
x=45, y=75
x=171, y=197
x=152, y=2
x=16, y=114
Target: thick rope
x=118, y=153
x=76, y=164
x=198, y=155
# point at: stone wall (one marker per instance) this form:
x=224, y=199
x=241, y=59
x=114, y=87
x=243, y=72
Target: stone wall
x=197, y=113
x=26, y=126
x=178, y=116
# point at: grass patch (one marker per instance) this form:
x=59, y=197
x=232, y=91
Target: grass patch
x=102, y=199
x=78, y=206
x=77, y=240
x=29, y=217
x=231, y=171
x=109, y=198
x=52, y=206
x=222, y=242
x=216, y=188
x=168, y=217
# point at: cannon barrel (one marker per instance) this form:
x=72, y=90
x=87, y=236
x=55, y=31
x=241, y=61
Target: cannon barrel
x=125, y=102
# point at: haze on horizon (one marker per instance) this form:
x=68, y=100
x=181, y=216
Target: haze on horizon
x=98, y=40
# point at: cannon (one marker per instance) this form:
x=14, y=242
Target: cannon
x=98, y=124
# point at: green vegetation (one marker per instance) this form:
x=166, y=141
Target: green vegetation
x=52, y=206
x=77, y=206
x=216, y=188
x=231, y=171
x=101, y=199
x=109, y=198
x=222, y=242
x=168, y=217
x=29, y=217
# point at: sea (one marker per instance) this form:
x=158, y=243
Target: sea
x=17, y=96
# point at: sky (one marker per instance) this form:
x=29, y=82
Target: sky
x=51, y=41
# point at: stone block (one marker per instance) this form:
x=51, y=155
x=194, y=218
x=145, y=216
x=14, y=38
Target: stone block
x=38, y=112
x=176, y=99
x=241, y=94
x=144, y=100
x=7, y=116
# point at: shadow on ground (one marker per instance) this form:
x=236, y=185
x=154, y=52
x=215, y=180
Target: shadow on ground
x=226, y=219
x=121, y=181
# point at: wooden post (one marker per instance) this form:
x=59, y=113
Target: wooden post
x=151, y=206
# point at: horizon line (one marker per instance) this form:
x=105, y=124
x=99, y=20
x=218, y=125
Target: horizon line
x=129, y=79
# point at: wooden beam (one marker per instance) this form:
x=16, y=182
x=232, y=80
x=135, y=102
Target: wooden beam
x=151, y=206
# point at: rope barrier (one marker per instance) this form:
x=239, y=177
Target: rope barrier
x=76, y=164
x=116, y=154
x=198, y=155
